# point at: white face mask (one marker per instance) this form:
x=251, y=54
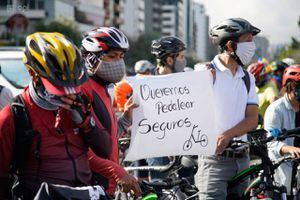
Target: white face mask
x=245, y=51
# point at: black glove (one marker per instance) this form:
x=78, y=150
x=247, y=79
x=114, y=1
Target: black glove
x=81, y=113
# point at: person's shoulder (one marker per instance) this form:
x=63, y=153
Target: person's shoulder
x=202, y=66
x=251, y=76
x=6, y=115
x=277, y=106
x=6, y=92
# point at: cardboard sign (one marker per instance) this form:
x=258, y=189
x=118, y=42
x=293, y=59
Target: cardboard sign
x=175, y=115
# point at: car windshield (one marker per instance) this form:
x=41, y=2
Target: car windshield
x=15, y=72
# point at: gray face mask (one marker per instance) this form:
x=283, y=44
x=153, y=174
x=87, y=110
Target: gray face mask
x=179, y=65
x=111, y=72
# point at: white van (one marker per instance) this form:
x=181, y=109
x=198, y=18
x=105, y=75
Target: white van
x=13, y=73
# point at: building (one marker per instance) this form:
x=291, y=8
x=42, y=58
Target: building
x=185, y=23
x=86, y=14
x=161, y=16
x=113, y=12
x=134, y=18
x=89, y=14
x=201, y=28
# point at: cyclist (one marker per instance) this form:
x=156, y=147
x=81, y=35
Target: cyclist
x=103, y=50
x=60, y=118
x=5, y=96
x=236, y=105
x=170, y=57
x=266, y=90
x=284, y=114
x=143, y=67
x=277, y=69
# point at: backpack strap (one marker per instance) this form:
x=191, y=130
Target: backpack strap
x=1, y=87
x=245, y=78
x=24, y=132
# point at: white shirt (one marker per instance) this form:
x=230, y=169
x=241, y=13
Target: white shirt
x=231, y=96
x=280, y=115
x=5, y=97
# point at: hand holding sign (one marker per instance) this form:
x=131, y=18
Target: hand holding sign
x=175, y=115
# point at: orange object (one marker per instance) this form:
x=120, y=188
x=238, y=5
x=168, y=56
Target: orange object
x=122, y=92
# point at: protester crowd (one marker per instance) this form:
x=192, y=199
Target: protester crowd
x=64, y=128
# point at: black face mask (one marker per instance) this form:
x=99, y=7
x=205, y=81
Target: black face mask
x=297, y=92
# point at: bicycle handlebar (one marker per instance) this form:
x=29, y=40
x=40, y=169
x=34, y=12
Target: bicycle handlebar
x=289, y=133
x=166, y=184
x=162, y=169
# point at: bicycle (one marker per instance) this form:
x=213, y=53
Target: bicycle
x=172, y=187
x=263, y=185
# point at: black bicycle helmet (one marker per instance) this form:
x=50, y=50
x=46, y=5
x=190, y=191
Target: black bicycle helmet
x=231, y=28
x=166, y=46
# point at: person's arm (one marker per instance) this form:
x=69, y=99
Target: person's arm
x=249, y=123
x=99, y=140
x=112, y=170
x=5, y=96
x=7, y=141
x=273, y=120
x=123, y=125
x=125, y=121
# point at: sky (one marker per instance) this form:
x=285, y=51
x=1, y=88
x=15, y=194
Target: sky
x=277, y=19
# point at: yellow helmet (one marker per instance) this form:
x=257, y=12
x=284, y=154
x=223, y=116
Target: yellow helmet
x=56, y=60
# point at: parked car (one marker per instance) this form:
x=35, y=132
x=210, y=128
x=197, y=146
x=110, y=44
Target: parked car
x=13, y=73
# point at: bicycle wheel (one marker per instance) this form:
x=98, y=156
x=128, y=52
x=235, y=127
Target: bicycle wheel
x=187, y=145
x=203, y=140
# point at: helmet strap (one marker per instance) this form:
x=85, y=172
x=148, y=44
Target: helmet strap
x=233, y=54
x=174, y=61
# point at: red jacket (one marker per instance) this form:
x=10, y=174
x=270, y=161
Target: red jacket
x=63, y=156
x=105, y=117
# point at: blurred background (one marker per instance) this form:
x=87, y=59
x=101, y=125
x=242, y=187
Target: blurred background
x=144, y=20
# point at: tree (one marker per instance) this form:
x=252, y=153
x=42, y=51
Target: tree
x=65, y=27
x=140, y=49
x=295, y=43
x=292, y=50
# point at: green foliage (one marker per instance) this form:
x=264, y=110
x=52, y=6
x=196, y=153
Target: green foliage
x=140, y=49
x=65, y=27
x=293, y=50
x=295, y=43
x=191, y=61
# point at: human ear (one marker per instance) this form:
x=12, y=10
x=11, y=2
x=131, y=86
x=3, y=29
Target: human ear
x=169, y=60
x=230, y=46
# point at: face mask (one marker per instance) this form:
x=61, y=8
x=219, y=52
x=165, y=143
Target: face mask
x=245, y=51
x=179, y=65
x=111, y=72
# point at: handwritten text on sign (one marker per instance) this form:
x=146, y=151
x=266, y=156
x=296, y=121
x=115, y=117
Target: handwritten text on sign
x=175, y=115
